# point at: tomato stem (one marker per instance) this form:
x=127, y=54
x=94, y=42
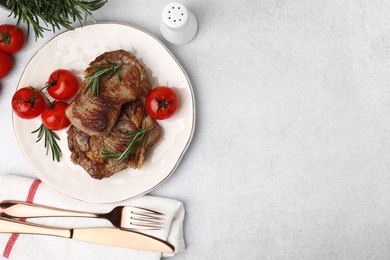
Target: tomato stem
x=163, y=103
x=53, y=82
x=31, y=100
x=44, y=95
x=5, y=37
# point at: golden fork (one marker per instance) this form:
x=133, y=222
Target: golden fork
x=124, y=217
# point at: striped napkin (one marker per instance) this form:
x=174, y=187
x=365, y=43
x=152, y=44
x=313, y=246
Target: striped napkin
x=22, y=246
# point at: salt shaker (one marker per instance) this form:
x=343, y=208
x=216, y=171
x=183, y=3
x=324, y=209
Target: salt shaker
x=178, y=25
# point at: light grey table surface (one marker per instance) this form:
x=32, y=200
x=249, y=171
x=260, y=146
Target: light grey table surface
x=290, y=156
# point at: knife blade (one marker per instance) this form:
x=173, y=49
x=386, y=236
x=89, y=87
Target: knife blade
x=99, y=235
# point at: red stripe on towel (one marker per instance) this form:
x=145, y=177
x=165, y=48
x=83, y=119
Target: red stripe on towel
x=30, y=198
x=33, y=190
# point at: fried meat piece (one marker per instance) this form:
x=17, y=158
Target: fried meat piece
x=97, y=115
x=87, y=151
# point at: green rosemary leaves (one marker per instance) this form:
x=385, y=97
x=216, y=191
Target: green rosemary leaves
x=52, y=13
x=94, y=78
x=137, y=137
x=50, y=141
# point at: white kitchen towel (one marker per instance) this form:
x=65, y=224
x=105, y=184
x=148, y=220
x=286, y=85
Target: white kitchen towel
x=22, y=246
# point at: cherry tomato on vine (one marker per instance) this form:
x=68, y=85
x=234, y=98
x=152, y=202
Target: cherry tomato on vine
x=11, y=38
x=161, y=102
x=54, y=117
x=62, y=84
x=28, y=103
x=6, y=63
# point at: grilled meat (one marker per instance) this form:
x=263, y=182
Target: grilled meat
x=96, y=115
x=87, y=150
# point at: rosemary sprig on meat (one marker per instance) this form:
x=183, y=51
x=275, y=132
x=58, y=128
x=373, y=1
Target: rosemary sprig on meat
x=53, y=13
x=50, y=141
x=100, y=71
x=137, y=137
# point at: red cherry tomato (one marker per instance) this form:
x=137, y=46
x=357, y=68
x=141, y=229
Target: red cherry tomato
x=28, y=103
x=11, y=38
x=62, y=84
x=54, y=117
x=6, y=63
x=161, y=102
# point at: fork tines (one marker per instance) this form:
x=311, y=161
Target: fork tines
x=146, y=219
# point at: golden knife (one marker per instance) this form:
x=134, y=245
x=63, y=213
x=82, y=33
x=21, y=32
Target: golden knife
x=104, y=236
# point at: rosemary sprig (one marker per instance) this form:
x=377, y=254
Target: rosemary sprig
x=100, y=71
x=50, y=141
x=54, y=13
x=137, y=137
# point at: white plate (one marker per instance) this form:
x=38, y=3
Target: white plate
x=74, y=50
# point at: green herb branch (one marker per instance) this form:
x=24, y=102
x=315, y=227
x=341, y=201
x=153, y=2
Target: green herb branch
x=100, y=71
x=54, y=13
x=137, y=137
x=50, y=141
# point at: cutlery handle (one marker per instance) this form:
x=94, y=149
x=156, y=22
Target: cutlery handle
x=21, y=209
x=15, y=226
